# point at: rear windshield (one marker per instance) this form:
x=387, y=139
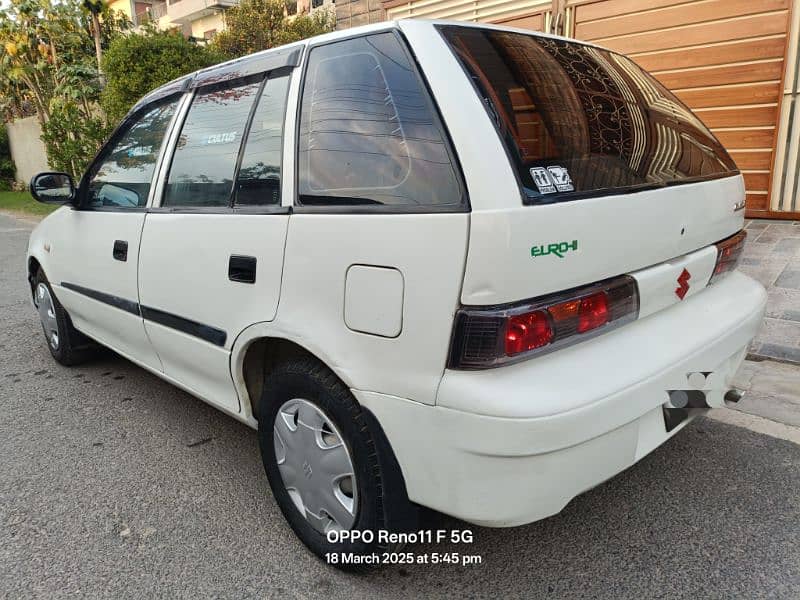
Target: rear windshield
x=578, y=121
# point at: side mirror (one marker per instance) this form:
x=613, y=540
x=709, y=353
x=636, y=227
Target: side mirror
x=53, y=188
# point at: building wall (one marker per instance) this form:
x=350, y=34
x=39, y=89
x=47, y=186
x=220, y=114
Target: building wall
x=123, y=6
x=352, y=13
x=204, y=24
x=27, y=149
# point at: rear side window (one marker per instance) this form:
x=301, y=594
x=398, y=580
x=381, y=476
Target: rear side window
x=203, y=166
x=577, y=120
x=259, y=178
x=369, y=134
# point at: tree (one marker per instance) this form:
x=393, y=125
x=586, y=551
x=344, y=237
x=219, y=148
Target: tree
x=94, y=8
x=255, y=25
x=47, y=60
x=76, y=127
x=136, y=64
x=15, y=101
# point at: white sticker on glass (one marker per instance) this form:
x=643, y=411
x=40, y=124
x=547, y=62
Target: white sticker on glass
x=140, y=151
x=542, y=180
x=221, y=138
x=561, y=178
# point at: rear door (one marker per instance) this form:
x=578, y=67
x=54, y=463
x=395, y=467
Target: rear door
x=95, y=255
x=212, y=252
x=376, y=244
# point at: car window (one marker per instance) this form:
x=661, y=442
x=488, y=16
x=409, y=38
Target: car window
x=124, y=173
x=369, y=134
x=259, y=178
x=204, y=162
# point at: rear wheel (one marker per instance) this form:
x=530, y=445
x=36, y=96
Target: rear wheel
x=67, y=345
x=322, y=456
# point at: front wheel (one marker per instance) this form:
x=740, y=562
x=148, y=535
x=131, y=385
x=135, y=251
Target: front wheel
x=322, y=458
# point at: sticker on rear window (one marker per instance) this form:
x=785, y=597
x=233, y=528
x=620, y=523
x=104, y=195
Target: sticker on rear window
x=542, y=180
x=561, y=178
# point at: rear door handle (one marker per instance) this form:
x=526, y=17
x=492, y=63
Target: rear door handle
x=120, y=250
x=242, y=269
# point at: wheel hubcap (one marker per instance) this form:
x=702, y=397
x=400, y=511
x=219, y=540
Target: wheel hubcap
x=315, y=466
x=47, y=314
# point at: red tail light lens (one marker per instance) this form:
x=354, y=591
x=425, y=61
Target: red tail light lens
x=528, y=332
x=593, y=312
x=729, y=251
x=490, y=337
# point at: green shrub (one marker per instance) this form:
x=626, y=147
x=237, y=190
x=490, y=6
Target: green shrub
x=136, y=64
x=254, y=25
x=72, y=138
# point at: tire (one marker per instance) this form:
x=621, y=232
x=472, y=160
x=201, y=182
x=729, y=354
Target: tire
x=70, y=347
x=378, y=492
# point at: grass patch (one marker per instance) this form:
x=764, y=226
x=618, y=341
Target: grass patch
x=23, y=203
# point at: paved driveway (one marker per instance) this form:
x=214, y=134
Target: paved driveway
x=772, y=256
x=115, y=484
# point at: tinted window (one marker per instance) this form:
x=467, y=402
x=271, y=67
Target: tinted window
x=205, y=157
x=577, y=119
x=259, y=179
x=124, y=173
x=368, y=131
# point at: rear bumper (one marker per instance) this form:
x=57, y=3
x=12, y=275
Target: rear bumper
x=512, y=445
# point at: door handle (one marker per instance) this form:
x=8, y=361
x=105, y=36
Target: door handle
x=120, y=250
x=242, y=269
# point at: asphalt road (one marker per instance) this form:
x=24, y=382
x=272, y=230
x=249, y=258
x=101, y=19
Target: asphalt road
x=115, y=484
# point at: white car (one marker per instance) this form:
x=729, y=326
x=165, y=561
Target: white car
x=466, y=267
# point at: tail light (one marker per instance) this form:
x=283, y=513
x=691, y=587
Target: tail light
x=499, y=335
x=728, y=253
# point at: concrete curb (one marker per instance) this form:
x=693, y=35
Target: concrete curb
x=757, y=357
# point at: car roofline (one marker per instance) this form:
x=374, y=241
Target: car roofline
x=184, y=82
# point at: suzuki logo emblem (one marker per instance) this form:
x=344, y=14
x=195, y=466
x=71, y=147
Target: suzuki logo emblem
x=683, y=284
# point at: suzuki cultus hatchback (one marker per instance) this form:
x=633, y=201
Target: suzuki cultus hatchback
x=471, y=268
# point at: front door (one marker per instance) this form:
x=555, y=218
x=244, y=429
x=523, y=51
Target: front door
x=97, y=246
x=212, y=253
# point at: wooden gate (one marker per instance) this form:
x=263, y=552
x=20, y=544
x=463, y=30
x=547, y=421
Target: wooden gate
x=724, y=58
x=528, y=14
